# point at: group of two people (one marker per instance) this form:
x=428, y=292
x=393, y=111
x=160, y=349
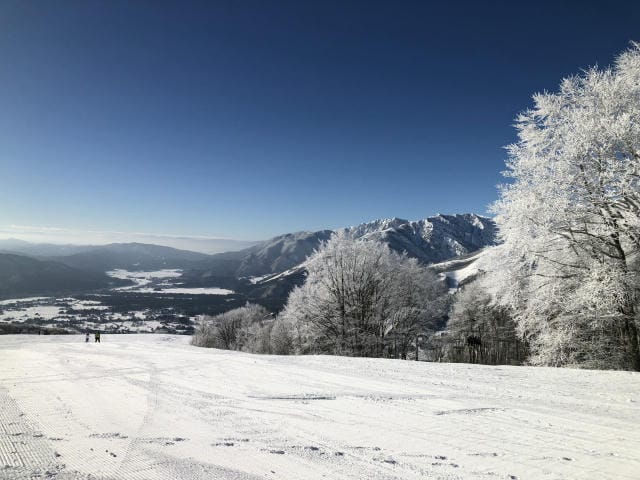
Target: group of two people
x=96, y=336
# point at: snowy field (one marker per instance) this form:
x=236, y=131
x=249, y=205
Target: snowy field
x=161, y=283
x=153, y=407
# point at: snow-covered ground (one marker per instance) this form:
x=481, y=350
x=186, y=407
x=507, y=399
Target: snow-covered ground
x=142, y=281
x=44, y=308
x=46, y=312
x=13, y=301
x=153, y=407
x=78, y=315
x=460, y=270
x=187, y=291
x=141, y=278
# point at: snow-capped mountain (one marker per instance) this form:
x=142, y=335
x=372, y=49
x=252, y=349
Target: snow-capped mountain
x=272, y=268
x=434, y=239
x=431, y=240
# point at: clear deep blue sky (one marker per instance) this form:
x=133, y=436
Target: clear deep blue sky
x=248, y=119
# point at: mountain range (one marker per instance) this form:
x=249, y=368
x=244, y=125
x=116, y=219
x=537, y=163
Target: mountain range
x=431, y=240
x=263, y=272
x=196, y=244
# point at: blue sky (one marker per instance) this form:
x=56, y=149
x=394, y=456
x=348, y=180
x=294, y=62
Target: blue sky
x=244, y=119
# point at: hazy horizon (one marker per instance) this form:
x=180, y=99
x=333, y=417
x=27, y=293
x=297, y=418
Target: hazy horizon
x=61, y=236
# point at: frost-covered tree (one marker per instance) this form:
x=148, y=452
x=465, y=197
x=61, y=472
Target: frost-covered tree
x=234, y=329
x=570, y=220
x=357, y=293
x=282, y=338
x=481, y=331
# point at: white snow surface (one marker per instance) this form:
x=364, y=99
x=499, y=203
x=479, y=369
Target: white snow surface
x=45, y=312
x=255, y=280
x=141, y=278
x=144, y=275
x=20, y=300
x=458, y=276
x=188, y=291
x=154, y=407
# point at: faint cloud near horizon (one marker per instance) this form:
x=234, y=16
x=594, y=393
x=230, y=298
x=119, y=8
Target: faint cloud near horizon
x=69, y=236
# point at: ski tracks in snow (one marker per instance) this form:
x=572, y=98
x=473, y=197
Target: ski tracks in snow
x=23, y=450
x=152, y=408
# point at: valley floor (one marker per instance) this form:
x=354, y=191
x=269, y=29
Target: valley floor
x=154, y=407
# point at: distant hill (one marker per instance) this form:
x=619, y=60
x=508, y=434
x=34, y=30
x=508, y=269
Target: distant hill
x=133, y=256
x=20, y=247
x=22, y=276
x=271, y=256
x=206, y=245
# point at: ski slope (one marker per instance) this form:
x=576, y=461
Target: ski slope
x=154, y=407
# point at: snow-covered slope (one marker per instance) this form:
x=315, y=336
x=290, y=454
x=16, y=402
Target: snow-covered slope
x=153, y=407
x=461, y=270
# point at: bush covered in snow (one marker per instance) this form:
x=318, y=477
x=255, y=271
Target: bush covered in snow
x=251, y=328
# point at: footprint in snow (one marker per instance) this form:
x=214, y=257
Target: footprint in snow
x=108, y=435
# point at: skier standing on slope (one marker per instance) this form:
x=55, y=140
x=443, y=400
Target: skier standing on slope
x=97, y=337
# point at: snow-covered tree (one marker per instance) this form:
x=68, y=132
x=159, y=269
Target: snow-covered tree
x=570, y=220
x=234, y=329
x=357, y=293
x=282, y=338
x=481, y=331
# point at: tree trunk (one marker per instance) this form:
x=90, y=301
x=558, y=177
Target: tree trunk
x=632, y=335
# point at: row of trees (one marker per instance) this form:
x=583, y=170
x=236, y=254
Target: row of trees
x=362, y=299
x=251, y=328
